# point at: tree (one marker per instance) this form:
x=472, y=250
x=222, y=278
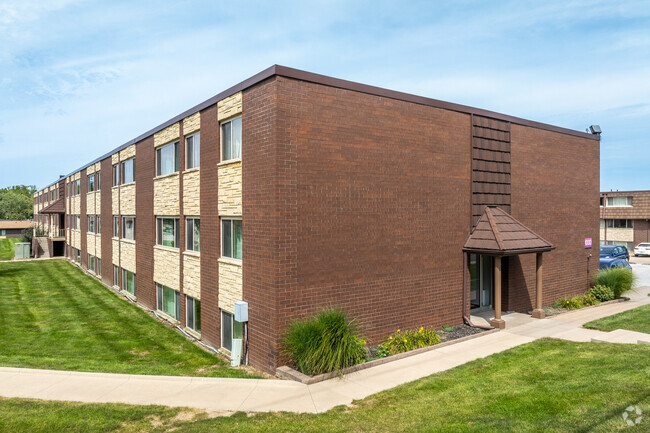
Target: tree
x=17, y=202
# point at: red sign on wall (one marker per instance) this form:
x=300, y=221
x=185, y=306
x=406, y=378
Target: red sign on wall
x=587, y=242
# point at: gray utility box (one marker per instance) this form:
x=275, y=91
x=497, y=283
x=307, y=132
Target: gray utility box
x=22, y=250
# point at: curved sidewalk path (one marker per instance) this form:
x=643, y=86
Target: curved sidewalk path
x=263, y=395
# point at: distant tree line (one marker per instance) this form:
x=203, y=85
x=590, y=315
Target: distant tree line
x=17, y=202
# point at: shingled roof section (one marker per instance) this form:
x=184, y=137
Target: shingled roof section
x=56, y=207
x=15, y=224
x=498, y=233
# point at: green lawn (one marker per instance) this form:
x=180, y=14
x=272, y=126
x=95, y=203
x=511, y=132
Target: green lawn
x=637, y=319
x=546, y=386
x=7, y=248
x=54, y=316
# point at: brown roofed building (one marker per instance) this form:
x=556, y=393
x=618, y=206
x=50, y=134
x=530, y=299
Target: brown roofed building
x=13, y=228
x=624, y=218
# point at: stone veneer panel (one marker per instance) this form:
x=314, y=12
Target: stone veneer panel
x=75, y=205
x=230, y=285
x=90, y=243
x=115, y=204
x=116, y=252
x=166, y=195
x=192, y=193
x=76, y=239
x=621, y=235
x=98, y=246
x=229, y=107
x=90, y=203
x=192, y=123
x=229, y=190
x=127, y=199
x=127, y=255
x=115, y=158
x=166, y=267
x=90, y=169
x=192, y=275
x=172, y=132
x=127, y=153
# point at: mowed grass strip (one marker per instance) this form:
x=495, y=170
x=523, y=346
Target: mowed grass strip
x=549, y=386
x=7, y=248
x=53, y=316
x=637, y=319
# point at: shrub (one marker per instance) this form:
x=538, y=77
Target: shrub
x=619, y=280
x=577, y=302
x=602, y=293
x=326, y=342
x=404, y=341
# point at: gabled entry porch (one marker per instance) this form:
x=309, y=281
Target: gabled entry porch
x=498, y=235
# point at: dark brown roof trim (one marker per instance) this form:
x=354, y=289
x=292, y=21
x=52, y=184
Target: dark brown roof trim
x=298, y=74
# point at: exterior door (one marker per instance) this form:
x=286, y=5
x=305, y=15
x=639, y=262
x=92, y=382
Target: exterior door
x=481, y=281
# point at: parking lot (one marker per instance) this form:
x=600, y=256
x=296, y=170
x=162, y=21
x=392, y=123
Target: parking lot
x=640, y=260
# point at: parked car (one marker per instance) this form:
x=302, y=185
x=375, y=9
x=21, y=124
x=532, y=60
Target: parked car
x=614, y=251
x=609, y=263
x=643, y=249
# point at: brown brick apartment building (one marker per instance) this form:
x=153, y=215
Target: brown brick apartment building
x=624, y=218
x=293, y=191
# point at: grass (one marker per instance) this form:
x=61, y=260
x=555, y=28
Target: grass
x=637, y=319
x=53, y=316
x=7, y=248
x=546, y=386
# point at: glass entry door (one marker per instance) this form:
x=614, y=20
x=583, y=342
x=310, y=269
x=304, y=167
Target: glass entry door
x=481, y=280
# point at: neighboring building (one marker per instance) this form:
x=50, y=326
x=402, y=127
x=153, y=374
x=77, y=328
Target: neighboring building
x=13, y=228
x=624, y=218
x=294, y=191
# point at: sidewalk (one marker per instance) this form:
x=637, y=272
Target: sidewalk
x=259, y=395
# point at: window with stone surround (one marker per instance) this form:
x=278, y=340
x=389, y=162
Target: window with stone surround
x=116, y=276
x=128, y=171
x=91, y=223
x=193, y=151
x=620, y=224
x=230, y=329
x=193, y=309
x=128, y=279
x=231, y=238
x=116, y=226
x=168, y=232
x=167, y=157
x=169, y=301
x=193, y=229
x=91, y=183
x=128, y=227
x=231, y=133
x=116, y=174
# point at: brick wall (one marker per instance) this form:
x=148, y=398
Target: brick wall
x=144, y=222
x=555, y=189
x=641, y=231
x=84, y=219
x=107, y=220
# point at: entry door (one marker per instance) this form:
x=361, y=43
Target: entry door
x=481, y=279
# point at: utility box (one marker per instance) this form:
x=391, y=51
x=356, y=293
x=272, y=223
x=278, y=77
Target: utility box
x=241, y=311
x=22, y=250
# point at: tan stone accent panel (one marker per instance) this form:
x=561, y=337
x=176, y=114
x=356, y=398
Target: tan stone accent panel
x=127, y=153
x=116, y=252
x=191, y=193
x=229, y=107
x=76, y=176
x=127, y=199
x=166, y=195
x=166, y=267
x=90, y=169
x=192, y=275
x=602, y=234
x=76, y=204
x=98, y=246
x=76, y=239
x=115, y=204
x=127, y=255
x=98, y=203
x=620, y=235
x=229, y=191
x=67, y=236
x=192, y=123
x=230, y=285
x=90, y=203
x=172, y=132
x=115, y=158
x=90, y=243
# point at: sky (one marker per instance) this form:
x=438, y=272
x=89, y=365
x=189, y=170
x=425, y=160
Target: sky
x=80, y=78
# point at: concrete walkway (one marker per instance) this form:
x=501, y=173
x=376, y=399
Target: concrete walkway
x=251, y=395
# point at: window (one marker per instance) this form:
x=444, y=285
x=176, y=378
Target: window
x=98, y=266
x=168, y=232
x=167, y=159
x=97, y=181
x=116, y=175
x=67, y=189
x=193, y=228
x=3, y=232
x=620, y=224
x=91, y=182
x=619, y=201
x=51, y=195
x=602, y=224
x=116, y=276
x=169, y=301
x=230, y=329
x=76, y=222
x=116, y=226
x=98, y=225
x=91, y=263
x=128, y=171
x=193, y=151
x=128, y=278
x=602, y=201
x=91, y=223
x=77, y=187
x=193, y=307
x=231, y=139
x=128, y=227
x=231, y=238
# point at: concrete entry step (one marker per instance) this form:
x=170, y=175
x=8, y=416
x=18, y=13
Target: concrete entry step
x=623, y=336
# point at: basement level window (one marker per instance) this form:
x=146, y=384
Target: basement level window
x=193, y=313
x=619, y=201
x=169, y=301
x=167, y=159
x=231, y=139
x=128, y=279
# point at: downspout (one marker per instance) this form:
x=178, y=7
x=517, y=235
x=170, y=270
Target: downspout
x=466, y=319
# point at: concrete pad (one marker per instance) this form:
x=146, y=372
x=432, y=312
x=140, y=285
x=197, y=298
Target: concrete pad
x=267, y=396
x=578, y=334
x=27, y=386
x=91, y=388
x=622, y=336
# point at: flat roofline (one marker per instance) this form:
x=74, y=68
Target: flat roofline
x=624, y=192
x=284, y=71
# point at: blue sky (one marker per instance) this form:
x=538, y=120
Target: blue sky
x=79, y=78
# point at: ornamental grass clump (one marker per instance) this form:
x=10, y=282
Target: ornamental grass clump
x=403, y=341
x=323, y=343
x=619, y=280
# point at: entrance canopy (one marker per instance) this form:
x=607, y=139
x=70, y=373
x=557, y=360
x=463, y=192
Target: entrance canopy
x=497, y=233
x=56, y=207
